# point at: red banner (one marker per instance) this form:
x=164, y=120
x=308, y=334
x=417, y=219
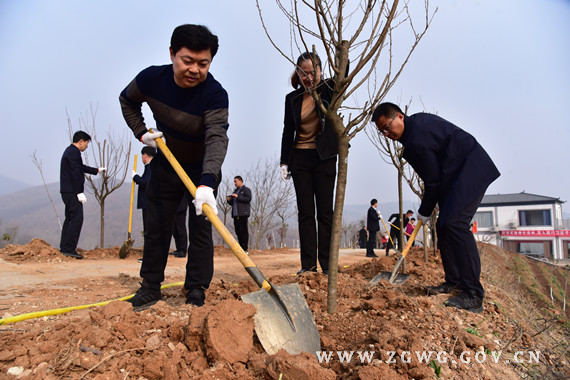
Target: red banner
x=551, y=233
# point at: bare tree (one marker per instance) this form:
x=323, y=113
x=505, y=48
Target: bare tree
x=362, y=32
x=271, y=199
x=112, y=153
x=39, y=165
x=286, y=210
x=350, y=234
x=392, y=152
x=224, y=208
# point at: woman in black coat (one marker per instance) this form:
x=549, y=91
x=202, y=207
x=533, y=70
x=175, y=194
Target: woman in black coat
x=309, y=149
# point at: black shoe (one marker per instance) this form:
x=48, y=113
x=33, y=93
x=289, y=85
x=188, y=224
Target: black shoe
x=73, y=254
x=195, y=297
x=372, y=255
x=387, y=254
x=443, y=288
x=179, y=254
x=145, y=297
x=325, y=271
x=466, y=300
x=304, y=270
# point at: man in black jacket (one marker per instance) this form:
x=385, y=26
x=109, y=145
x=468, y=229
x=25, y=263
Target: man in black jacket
x=147, y=154
x=456, y=172
x=240, y=202
x=71, y=188
x=394, y=222
x=362, y=237
x=373, y=226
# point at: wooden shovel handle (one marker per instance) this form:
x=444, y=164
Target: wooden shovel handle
x=132, y=197
x=244, y=259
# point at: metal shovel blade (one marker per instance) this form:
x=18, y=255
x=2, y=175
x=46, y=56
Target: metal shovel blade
x=274, y=330
x=400, y=278
x=125, y=248
x=394, y=277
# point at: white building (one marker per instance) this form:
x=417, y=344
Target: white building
x=525, y=223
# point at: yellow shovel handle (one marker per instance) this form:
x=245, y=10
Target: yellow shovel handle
x=247, y=263
x=132, y=197
x=412, y=238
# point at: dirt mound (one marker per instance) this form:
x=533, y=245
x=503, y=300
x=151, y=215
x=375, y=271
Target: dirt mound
x=379, y=332
x=40, y=251
x=35, y=250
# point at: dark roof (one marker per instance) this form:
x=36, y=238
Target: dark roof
x=517, y=199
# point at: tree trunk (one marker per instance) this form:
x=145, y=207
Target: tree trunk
x=425, y=243
x=401, y=208
x=102, y=240
x=337, y=223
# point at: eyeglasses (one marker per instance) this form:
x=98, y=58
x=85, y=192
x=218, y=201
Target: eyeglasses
x=384, y=129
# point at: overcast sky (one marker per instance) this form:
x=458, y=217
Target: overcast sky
x=498, y=69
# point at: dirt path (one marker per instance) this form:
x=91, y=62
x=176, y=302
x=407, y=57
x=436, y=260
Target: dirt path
x=31, y=274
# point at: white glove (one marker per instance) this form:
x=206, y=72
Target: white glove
x=424, y=219
x=149, y=137
x=133, y=174
x=379, y=214
x=285, y=173
x=81, y=198
x=102, y=170
x=204, y=194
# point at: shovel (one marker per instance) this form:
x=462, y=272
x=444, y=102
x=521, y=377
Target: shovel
x=124, y=251
x=283, y=319
x=389, y=236
x=394, y=277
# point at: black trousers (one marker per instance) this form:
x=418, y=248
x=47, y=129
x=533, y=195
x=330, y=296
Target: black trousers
x=179, y=231
x=371, y=243
x=144, y=219
x=395, y=235
x=314, y=181
x=71, y=228
x=240, y=225
x=164, y=193
x=459, y=253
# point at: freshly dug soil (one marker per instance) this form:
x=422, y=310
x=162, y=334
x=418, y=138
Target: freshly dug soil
x=381, y=332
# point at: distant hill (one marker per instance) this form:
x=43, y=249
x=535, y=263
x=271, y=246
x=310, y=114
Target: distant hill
x=30, y=211
x=9, y=185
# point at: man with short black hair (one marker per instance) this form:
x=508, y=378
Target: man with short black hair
x=456, y=172
x=71, y=183
x=147, y=154
x=240, y=201
x=373, y=226
x=191, y=112
x=394, y=222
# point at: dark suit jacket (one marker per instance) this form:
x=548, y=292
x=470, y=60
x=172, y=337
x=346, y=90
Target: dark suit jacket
x=326, y=140
x=454, y=167
x=71, y=177
x=372, y=223
x=142, y=181
x=394, y=220
x=241, y=204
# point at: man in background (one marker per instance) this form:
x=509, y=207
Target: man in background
x=71, y=182
x=373, y=226
x=240, y=201
x=147, y=154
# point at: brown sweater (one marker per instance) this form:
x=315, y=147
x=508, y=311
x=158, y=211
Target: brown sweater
x=309, y=124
